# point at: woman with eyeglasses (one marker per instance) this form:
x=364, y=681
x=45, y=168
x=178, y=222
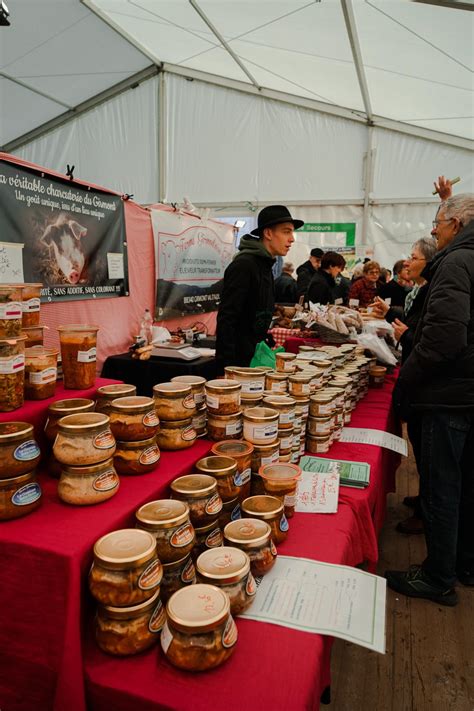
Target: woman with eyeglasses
x=365, y=289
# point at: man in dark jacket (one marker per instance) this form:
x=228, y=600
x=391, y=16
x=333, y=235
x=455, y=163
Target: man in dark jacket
x=321, y=289
x=437, y=381
x=285, y=286
x=247, y=299
x=307, y=270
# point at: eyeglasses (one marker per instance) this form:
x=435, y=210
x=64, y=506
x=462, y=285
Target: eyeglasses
x=373, y=271
x=416, y=259
x=435, y=223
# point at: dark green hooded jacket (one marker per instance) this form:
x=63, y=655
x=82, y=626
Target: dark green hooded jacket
x=247, y=302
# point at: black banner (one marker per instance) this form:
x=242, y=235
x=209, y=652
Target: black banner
x=67, y=236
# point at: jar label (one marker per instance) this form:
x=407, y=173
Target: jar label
x=199, y=421
x=295, y=457
x=245, y=476
x=250, y=587
x=27, y=494
x=87, y=356
x=183, y=536
x=271, y=458
x=188, y=434
x=151, y=576
x=165, y=638
x=250, y=386
x=212, y=401
x=104, y=440
x=31, y=305
x=15, y=364
x=278, y=386
x=189, y=402
x=150, y=455
x=289, y=500
x=214, y=505
x=323, y=427
x=11, y=310
x=284, y=523
x=158, y=618
x=236, y=513
x=188, y=573
x=234, y=428
x=230, y=634
x=151, y=419
x=265, y=431
x=199, y=398
x=273, y=549
x=214, y=538
x=106, y=481
x=287, y=417
x=286, y=442
x=41, y=377
x=288, y=366
x=27, y=451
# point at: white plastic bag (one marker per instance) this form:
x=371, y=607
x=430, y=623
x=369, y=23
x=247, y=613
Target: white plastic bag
x=377, y=347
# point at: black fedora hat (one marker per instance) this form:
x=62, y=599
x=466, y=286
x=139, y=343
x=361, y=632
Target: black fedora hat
x=274, y=215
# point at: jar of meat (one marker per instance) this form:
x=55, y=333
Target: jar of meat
x=168, y=521
x=253, y=537
x=133, y=418
x=11, y=310
x=12, y=373
x=41, y=372
x=19, y=451
x=241, y=452
x=84, y=439
x=137, y=457
x=271, y=510
x=31, y=304
x=224, y=470
x=177, y=575
x=199, y=491
x=79, y=355
x=174, y=401
x=229, y=569
x=19, y=495
x=106, y=393
x=60, y=409
x=209, y=536
x=86, y=485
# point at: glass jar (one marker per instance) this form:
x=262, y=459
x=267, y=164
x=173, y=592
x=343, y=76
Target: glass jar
x=174, y=401
x=261, y=425
x=285, y=437
x=126, y=570
x=19, y=496
x=197, y=387
x=122, y=631
x=276, y=383
x=10, y=310
x=320, y=425
x=84, y=439
x=300, y=384
x=199, y=491
x=224, y=427
x=199, y=633
x=168, y=521
x=177, y=435
x=31, y=304
x=264, y=454
x=106, y=393
x=199, y=422
x=322, y=404
x=284, y=362
x=252, y=381
x=245, y=403
x=60, y=409
x=286, y=408
x=254, y=537
x=241, y=452
x=230, y=512
x=41, y=372
x=133, y=418
x=223, y=397
x=19, y=451
x=34, y=335
x=281, y=481
x=12, y=373
x=177, y=575
x=228, y=568
x=256, y=484
x=224, y=470
x=268, y=509
x=207, y=537
x=377, y=376
x=91, y=484
x=318, y=444
x=136, y=457
x=78, y=354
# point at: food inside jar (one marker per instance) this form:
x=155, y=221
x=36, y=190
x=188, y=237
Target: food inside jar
x=137, y=457
x=10, y=311
x=78, y=353
x=121, y=588
x=19, y=451
x=177, y=575
x=131, y=634
x=19, y=496
x=262, y=559
x=82, y=486
x=198, y=651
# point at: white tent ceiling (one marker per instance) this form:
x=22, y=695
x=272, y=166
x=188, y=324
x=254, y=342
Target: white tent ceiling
x=389, y=60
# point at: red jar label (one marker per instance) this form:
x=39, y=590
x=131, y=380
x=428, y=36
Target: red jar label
x=273, y=548
x=151, y=576
x=214, y=538
x=150, y=455
x=183, y=536
x=188, y=434
x=106, y=481
x=188, y=574
x=189, y=402
x=158, y=618
x=250, y=587
x=104, y=440
x=151, y=419
x=214, y=505
x=230, y=634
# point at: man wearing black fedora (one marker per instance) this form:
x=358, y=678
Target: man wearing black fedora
x=248, y=297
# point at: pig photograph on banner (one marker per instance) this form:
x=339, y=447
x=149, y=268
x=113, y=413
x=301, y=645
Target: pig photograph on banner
x=67, y=236
x=191, y=256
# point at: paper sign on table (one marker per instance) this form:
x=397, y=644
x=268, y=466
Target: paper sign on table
x=361, y=435
x=318, y=491
x=350, y=473
x=324, y=599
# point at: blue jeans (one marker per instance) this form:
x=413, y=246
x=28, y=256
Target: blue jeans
x=446, y=470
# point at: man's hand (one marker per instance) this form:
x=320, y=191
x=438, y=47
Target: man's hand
x=379, y=306
x=399, y=329
x=443, y=187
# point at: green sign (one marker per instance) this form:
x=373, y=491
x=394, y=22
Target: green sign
x=349, y=228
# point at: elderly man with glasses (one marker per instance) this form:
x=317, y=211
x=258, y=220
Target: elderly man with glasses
x=437, y=383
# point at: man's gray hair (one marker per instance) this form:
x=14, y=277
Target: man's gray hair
x=460, y=206
x=428, y=246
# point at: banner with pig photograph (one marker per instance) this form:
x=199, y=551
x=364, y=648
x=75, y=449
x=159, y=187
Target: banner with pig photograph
x=69, y=237
x=191, y=256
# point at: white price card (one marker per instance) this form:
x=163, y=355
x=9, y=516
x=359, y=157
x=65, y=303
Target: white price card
x=321, y=598
x=115, y=265
x=379, y=438
x=318, y=492
x=11, y=263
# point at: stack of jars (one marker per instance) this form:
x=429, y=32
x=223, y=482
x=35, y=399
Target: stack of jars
x=231, y=487
x=125, y=580
x=84, y=447
x=252, y=381
x=286, y=408
x=78, y=355
x=12, y=348
x=134, y=424
x=57, y=410
x=106, y=393
x=224, y=418
x=175, y=408
x=197, y=388
x=261, y=429
x=20, y=493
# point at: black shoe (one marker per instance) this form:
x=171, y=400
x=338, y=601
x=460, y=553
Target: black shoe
x=410, y=525
x=466, y=577
x=410, y=501
x=414, y=583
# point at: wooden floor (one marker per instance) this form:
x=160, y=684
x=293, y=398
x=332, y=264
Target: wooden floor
x=429, y=664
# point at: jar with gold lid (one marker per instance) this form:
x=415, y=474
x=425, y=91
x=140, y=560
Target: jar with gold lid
x=199, y=422
x=261, y=425
x=224, y=470
x=61, y=408
x=229, y=569
x=281, y=481
x=285, y=362
x=177, y=575
x=285, y=437
x=224, y=427
x=318, y=444
x=136, y=457
x=89, y=484
x=126, y=570
x=276, y=383
x=122, y=631
x=241, y=452
x=174, y=401
x=176, y=435
x=223, y=397
x=321, y=425
x=285, y=406
x=252, y=381
x=19, y=451
x=322, y=404
x=133, y=418
x=41, y=372
x=168, y=521
x=254, y=537
x=300, y=384
x=209, y=536
x=200, y=632
x=269, y=509
x=106, y=393
x=19, y=496
x=197, y=387
x=84, y=439
x=199, y=491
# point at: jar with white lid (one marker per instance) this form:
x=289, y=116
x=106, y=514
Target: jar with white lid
x=86, y=485
x=133, y=418
x=177, y=575
x=261, y=425
x=199, y=633
x=276, y=382
x=255, y=538
x=84, y=439
x=252, y=381
x=168, y=521
x=224, y=427
x=199, y=491
x=224, y=470
x=126, y=570
x=229, y=569
x=197, y=387
x=286, y=408
x=223, y=397
x=174, y=401
x=268, y=509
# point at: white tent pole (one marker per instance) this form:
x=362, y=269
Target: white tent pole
x=162, y=138
x=351, y=28
x=368, y=178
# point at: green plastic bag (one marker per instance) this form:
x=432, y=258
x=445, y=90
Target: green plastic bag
x=264, y=355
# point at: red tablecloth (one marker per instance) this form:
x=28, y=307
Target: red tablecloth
x=45, y=605
x=292, y=344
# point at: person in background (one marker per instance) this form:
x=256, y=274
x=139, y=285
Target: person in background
x=285, y=286
x=385, y=276
x=357, y=273
x=307, y=270
x=397, y=289
x=365, y=289
x=248, y=296
x=321, y=289
x=341, y=290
